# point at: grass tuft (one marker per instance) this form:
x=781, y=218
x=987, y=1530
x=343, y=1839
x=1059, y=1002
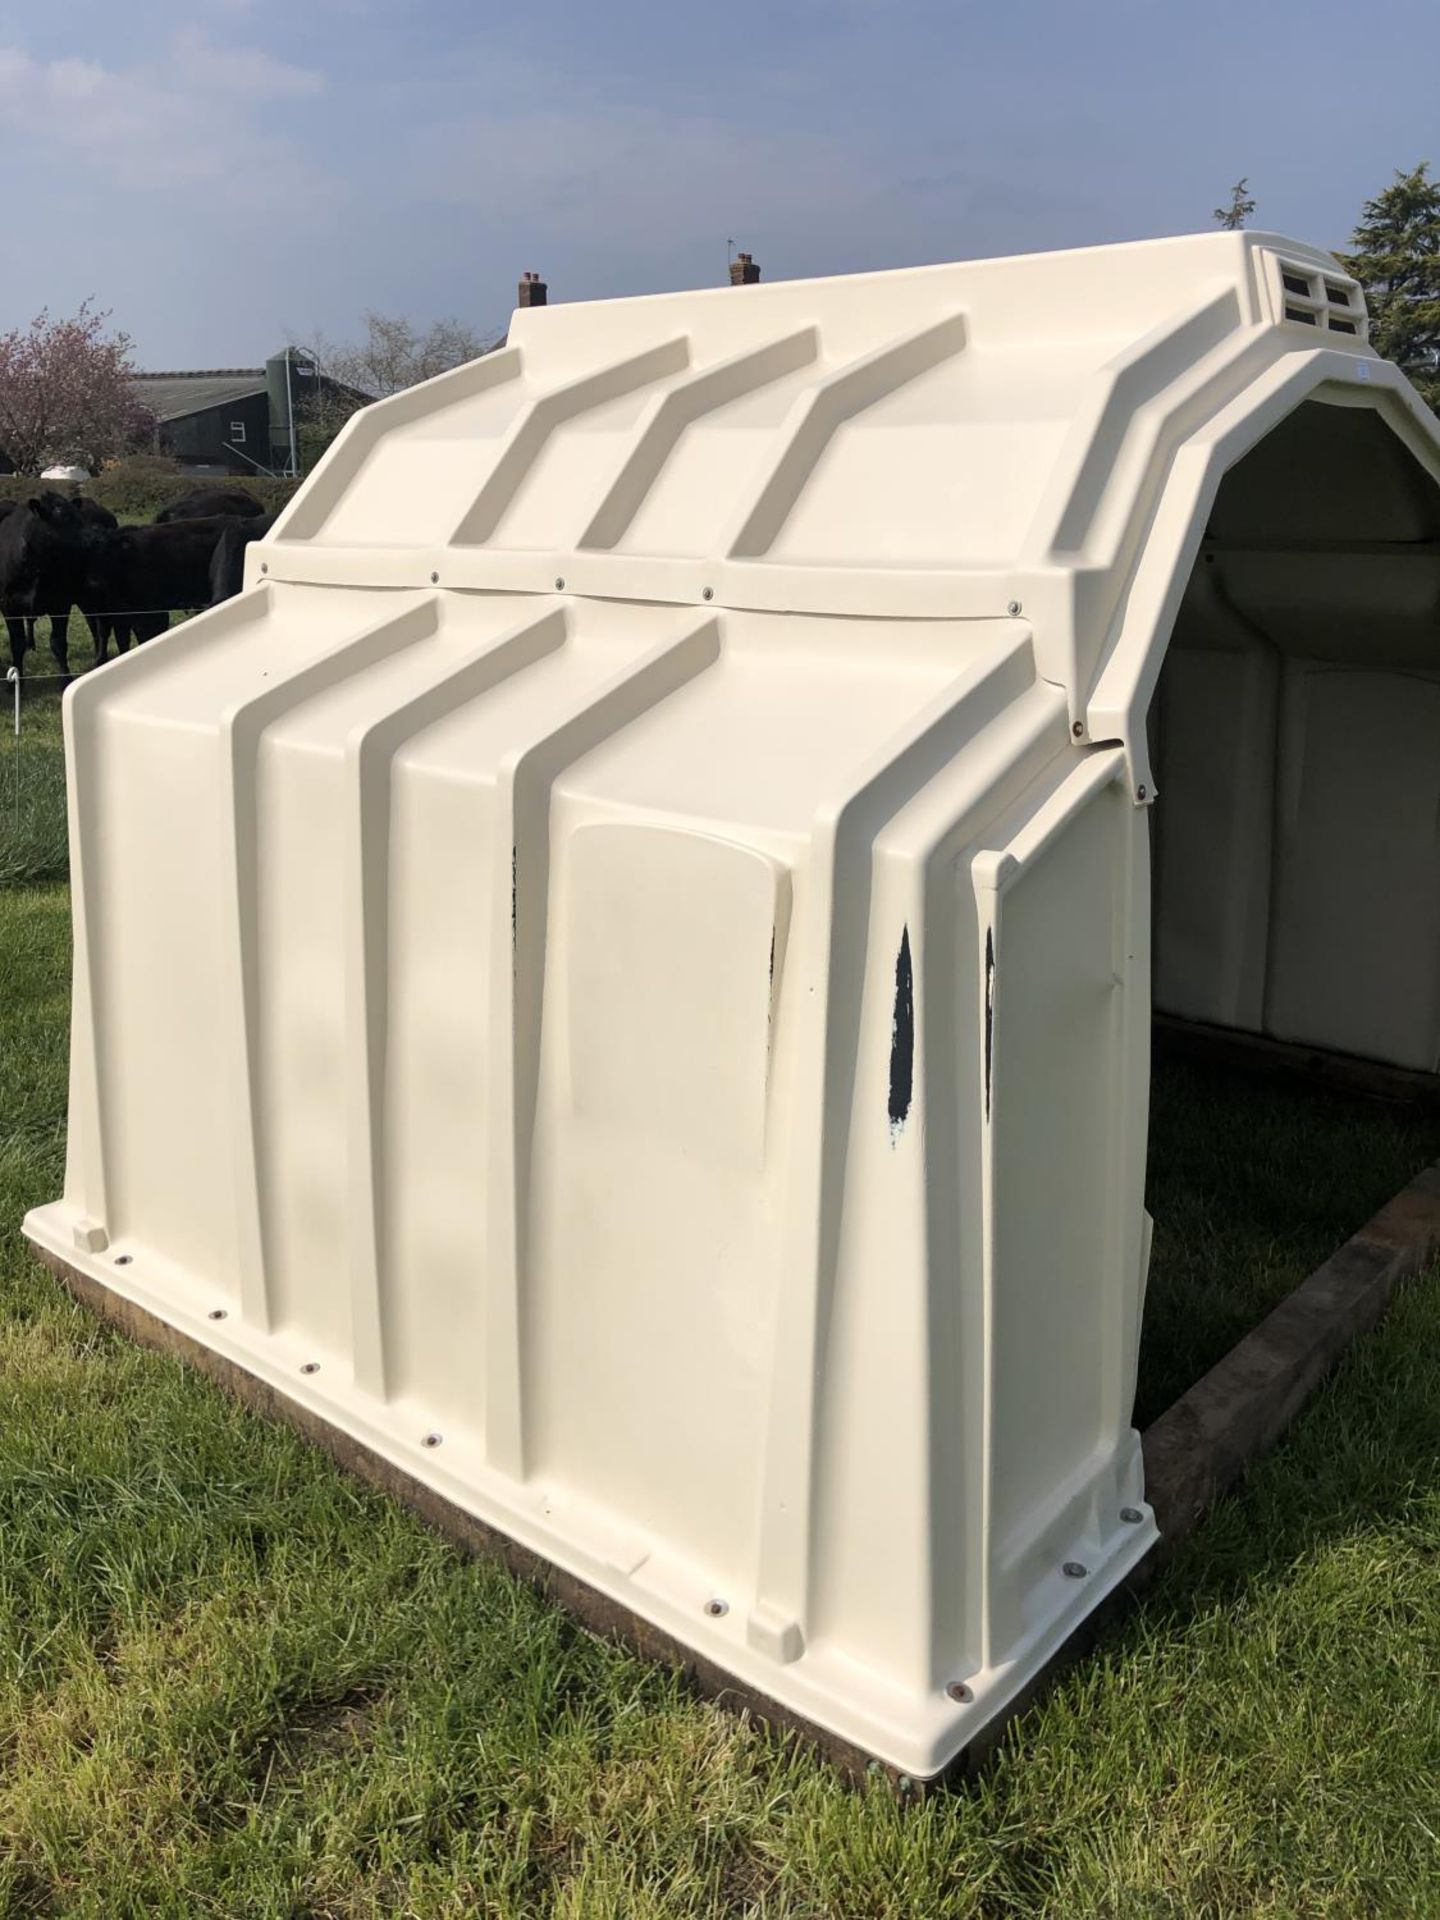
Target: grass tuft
x=32, y=798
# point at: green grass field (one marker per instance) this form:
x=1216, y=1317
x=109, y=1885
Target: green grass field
x=233, y=1682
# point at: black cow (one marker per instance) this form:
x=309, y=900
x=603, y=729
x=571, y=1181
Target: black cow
x=203, y=503
x=40, y=540
x=227, y=565
x=102, y=627
x=7, y=507
x=140, y=575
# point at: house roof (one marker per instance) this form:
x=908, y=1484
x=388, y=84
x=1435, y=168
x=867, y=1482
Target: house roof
x=170, y=396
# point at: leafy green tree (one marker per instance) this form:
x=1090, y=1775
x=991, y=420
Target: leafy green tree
x=1242, y=205
x=1396, y=259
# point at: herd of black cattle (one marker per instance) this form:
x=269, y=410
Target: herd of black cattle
x=59, y=551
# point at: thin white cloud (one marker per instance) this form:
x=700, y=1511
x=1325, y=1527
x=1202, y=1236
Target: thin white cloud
x=250, y=72
x=193, y=116
x=636, y=170
x=651, y=186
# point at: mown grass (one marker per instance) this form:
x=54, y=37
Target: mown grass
x=1252, y=1183
x=233, y=1682
x=33, y=843
x=32, y=767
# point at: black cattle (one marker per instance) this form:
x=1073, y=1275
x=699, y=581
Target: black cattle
x=138, y=576
x=103, y=628
x=42, y=567
x=40, y=548
x=227, y=565
x=203, y=503
x=91, y=513
x=7, y=507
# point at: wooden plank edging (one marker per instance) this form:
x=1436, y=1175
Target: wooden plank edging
x=1258, y=1053
x=1207, y=1438
x=1193, y=1452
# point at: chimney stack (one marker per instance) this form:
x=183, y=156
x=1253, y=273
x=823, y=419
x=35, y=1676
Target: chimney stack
x=532, y=290
x=743, y=271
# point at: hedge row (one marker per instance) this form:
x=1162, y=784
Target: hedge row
x=139, y=488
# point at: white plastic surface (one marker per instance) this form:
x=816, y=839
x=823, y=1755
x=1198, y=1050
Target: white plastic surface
x=629, y=943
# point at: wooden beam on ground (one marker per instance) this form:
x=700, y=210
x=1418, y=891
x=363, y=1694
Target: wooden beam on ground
x=1174, y=1038
x=1196, y=1450
x=1206, y=1440
x=1202, y=1443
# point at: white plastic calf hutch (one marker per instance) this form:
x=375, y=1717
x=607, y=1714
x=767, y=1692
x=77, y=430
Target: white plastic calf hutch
x=617, y=974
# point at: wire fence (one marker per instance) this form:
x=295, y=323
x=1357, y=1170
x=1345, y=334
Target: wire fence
x=27, y=677
x=33, y=832
x=112, y=613
x=16, y=681
x=32, y=837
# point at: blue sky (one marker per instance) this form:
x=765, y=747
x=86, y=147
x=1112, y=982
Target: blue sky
x=226, y=174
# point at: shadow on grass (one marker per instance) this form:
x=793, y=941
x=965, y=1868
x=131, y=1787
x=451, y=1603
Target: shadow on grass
x=1363, y=1459
x=1253, y=1183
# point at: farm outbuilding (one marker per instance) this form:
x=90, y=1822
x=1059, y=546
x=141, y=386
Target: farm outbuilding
x=233, y=419
x=617, y=976
x=214, y=421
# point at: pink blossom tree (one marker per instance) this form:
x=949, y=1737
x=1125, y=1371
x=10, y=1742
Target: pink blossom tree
x=65, y=392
